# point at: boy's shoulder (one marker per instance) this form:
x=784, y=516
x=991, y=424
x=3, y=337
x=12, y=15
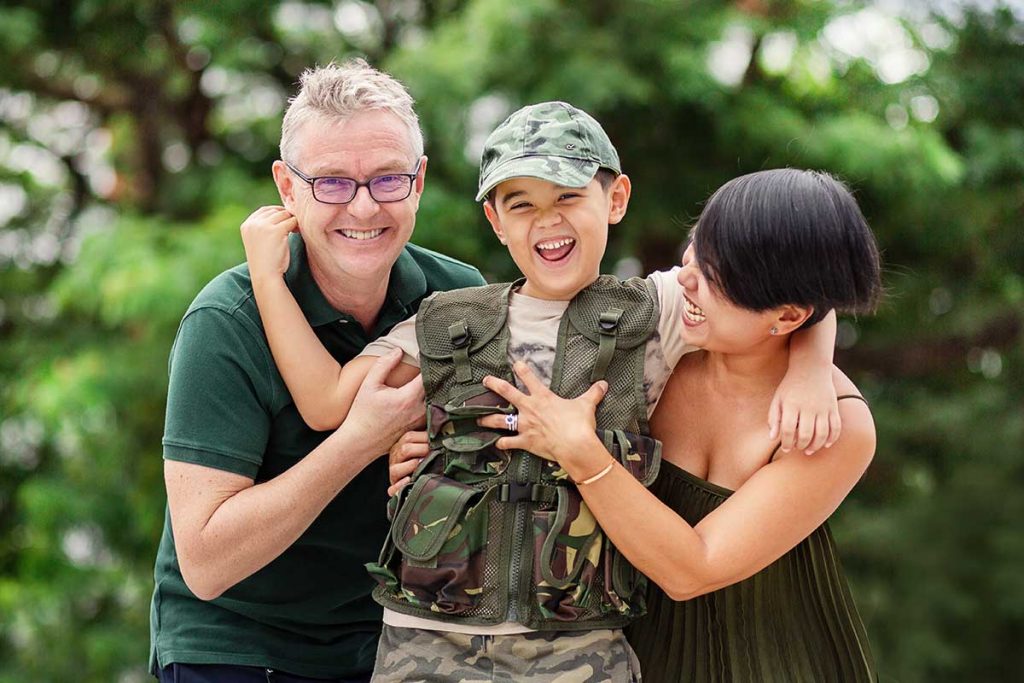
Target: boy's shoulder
x=443, y=272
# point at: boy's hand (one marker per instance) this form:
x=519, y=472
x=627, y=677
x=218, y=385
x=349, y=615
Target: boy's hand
x=804, y=412
x=404, y=457
x=265, y=236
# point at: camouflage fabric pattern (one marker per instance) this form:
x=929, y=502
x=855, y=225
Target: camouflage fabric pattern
x=567, y=550
x=553, y=141
x=483, y=535
x=419, y=656
x=442, y=533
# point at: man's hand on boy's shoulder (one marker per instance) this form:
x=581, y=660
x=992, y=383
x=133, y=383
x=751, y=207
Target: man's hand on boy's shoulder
x=265, y=237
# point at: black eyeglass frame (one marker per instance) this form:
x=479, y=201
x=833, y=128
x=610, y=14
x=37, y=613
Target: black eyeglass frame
x=369, y=188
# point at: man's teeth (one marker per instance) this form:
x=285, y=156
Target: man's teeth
x=362, y=234
x=693, y=311
x=557, y=244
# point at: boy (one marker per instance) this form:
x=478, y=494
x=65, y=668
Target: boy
x=493, y=563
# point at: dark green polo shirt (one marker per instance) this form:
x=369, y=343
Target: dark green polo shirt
x=309, y=611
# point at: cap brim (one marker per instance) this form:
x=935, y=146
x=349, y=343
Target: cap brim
x=558, y=170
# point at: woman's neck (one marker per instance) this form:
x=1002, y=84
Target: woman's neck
x=750, y=373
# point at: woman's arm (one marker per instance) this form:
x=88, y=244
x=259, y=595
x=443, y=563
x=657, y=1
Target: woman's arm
x=323, y=390
x=770, y=513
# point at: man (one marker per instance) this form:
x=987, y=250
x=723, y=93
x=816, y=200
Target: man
x=259, y=574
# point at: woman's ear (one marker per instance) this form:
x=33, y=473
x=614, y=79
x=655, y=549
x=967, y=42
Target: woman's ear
x=790, y=317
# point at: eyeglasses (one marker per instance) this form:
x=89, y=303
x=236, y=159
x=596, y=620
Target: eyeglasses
x=392, y=187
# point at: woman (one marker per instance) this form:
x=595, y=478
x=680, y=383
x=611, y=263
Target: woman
x=733, y=533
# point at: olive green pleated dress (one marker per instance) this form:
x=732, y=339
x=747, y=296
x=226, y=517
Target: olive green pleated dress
x=793, y=621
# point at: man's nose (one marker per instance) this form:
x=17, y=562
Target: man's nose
x=363, y=205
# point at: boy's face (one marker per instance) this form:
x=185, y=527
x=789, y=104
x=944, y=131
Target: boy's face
x=556, y=235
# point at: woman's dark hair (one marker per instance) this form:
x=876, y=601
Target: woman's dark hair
x=789, y=236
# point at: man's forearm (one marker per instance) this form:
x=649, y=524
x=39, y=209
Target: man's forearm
x=249, y=528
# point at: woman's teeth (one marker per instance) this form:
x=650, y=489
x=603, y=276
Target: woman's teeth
x=362, y=234
x=693, y=312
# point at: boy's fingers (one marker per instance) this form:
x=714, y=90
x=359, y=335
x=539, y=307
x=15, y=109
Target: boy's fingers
x=400, y=470
x=805, y=433
x=774, y=417
x=397, y=486
x=408, y=451
x=820, y=434
x=835, y=427
x=788, y=426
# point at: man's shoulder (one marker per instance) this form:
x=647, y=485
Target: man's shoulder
x=230, y=295
x=229, y=292
x=443, y=272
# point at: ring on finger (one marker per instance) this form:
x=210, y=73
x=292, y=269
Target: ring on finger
x=512, y=422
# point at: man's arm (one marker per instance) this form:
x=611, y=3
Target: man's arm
x=226, y=527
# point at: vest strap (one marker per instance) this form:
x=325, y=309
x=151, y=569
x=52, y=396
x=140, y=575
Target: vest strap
x=608, y=326
x=515, y=492
x=459, y=334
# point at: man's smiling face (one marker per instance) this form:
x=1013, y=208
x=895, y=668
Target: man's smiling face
x=360, y=240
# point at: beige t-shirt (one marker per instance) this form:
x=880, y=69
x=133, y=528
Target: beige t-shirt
x=533, y=334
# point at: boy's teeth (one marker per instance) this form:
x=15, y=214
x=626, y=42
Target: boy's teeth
x=362, y=234
x=557, y=244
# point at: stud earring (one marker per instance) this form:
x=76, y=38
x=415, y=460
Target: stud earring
x=774, y=330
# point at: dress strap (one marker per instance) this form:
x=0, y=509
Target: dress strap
x=838, y=398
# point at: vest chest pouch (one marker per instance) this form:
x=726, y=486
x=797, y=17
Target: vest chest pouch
x=441, y=532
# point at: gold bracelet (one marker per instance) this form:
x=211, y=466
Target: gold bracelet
x=591, y=480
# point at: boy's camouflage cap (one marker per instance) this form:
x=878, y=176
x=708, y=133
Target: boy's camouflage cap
x=553, y=141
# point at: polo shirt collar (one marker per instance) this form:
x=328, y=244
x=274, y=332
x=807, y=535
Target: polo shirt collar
x=406, y=286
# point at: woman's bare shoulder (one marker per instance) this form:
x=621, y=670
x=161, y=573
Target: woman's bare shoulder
x=858, y=423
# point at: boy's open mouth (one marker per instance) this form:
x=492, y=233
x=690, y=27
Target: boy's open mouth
x=556, y=249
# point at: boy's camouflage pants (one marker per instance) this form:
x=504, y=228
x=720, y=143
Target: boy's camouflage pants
x=419, y=656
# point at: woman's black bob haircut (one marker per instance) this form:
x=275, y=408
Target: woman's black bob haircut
x=789, y=236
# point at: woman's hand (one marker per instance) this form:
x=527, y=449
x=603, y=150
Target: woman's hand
x=550, y=426
x=404, y=457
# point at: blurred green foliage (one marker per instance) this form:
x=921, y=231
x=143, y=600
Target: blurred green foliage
x=135, y=137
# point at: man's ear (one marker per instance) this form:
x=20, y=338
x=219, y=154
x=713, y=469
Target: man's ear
x=494, y=220
x=618, y=198
x=421, y=177
x=790, y=317
x=285, y=184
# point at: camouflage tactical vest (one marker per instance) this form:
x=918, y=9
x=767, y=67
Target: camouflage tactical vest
x=482, y=536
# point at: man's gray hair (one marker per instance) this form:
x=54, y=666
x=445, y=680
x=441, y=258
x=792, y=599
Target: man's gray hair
x=338, y=91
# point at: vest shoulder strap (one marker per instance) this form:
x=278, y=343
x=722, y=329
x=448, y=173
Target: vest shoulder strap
x=461, y=321
x=631, y=306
